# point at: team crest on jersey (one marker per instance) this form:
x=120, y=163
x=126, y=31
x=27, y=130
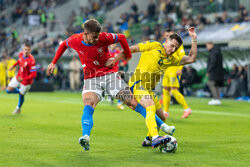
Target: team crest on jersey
x=100, y=50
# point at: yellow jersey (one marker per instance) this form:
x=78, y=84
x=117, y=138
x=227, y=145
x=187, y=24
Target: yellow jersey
x=10, y=63
x=2, y=74
x=152, y=64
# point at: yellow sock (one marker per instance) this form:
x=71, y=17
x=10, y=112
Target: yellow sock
x=148, y=134
x=150, y=121
x=166, y=99
x=179, y=98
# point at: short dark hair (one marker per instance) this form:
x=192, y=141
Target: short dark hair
x=169, y=30
x=177, y=38
x=92, y=25
x=27, y=44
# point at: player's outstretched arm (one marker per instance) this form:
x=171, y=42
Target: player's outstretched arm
x=14, y=65
x=59, y=53
x=193, y=52
x=125, y=54
x=134, y=48
x=111, y=62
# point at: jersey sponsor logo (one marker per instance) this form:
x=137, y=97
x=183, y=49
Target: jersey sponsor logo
x=96, y=63
x=160, y=62
x=81, y=52
x=84, y=65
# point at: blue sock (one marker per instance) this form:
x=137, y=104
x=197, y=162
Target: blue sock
x=21, y=100
x=119, y=101
x=13, y=91
x=143, y=112
x=87, y=120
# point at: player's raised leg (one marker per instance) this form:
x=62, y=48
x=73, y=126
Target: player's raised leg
x=132, y=103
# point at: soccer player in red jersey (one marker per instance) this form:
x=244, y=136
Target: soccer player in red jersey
x=99, y=73
x=24, y=78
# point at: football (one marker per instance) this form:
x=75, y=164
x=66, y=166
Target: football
x=170, y=147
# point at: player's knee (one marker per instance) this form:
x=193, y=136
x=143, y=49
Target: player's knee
x=166, y=88
x=163, y=118
x=174, y=88
x=89, y=103
x=133, y=103
x=147, y=102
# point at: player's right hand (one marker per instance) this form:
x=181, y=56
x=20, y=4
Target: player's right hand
x=51, y=68
x=191, y=32
x=110, y=62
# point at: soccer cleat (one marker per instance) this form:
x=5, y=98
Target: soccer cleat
x=120, y=106
x=17, y=111
x=84, y=142
x=146, y=142
x=186, y=113
x=214, y=102
x=168, y=129
x=171, y=130
x=166, y=114
x=160, y=140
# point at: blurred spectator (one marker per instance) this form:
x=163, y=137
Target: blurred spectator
x=151, y=9
x=215, y=72
x=184, y=6
x=189, y=76
x=74, y=75
x=52, y=19
x=14, y=35
x=134, y=7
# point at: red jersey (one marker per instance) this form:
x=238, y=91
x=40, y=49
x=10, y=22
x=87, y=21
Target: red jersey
x=93, y=56
x=27, y=68
x=115, y=53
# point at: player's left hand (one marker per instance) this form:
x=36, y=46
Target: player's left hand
x=51, y=68
x=11, y=68
x=110, y=62
x=20, y=79
x=192, y=33
x=178, y=72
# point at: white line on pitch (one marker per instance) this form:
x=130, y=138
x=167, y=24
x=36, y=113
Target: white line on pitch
x=79, y=102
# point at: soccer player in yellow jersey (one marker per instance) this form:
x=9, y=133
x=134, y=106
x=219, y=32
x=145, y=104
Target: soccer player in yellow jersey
x=3, y=73
x=10, y=63
x=155, y=59
x=171, y=84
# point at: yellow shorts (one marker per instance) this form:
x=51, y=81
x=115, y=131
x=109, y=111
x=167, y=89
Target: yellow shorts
x=140, y=92
x=170, y=79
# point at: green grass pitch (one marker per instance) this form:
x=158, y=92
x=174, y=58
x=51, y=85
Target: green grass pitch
x=47, y=132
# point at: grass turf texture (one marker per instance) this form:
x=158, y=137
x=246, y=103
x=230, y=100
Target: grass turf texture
x=47, y=132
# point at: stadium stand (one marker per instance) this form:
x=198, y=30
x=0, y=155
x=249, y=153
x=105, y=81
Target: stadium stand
x=45, y=23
